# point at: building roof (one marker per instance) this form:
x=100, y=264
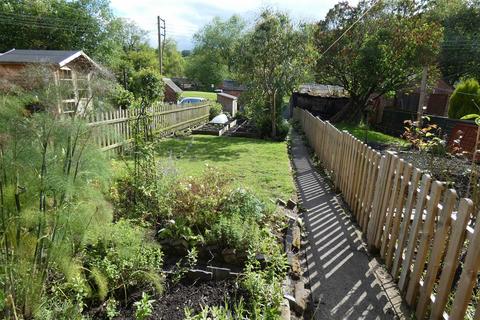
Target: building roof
x=226, y=95
x=322, y=90
x=232, y=85
x=55, y=57
x=172, y=85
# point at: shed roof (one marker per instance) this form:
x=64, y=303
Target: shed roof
x=55, y=57
x=322, y=90
x=172, y=85
x=226, y=95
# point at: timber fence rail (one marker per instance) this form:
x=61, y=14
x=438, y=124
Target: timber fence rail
x=421, y=231
x=113, y=129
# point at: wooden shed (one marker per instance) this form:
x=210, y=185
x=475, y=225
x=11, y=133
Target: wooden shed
x=171, y=92
x=228, y=102
x=71, y=69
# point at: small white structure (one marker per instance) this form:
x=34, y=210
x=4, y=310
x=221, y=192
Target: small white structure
x=220, y=119
x=228, y=102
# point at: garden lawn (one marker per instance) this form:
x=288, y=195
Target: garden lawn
x=259, y=165
x=200, y=94
x=358, y=131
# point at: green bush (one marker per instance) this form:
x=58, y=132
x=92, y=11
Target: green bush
x=147, y=84
x=465, y=99
x=245, y=204
x=215, y=110
x=122, y=98
x=235, y=232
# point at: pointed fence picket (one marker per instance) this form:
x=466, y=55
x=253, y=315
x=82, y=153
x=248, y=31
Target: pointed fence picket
x=421, y=231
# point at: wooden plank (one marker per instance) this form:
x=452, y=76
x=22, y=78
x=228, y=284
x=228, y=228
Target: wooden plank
x=387, y=191
x=406, y=175
x=425, y=240
x=405, y=225
x=436, y=254
x=413, y=233
x=455, y=243
x=372, y=178
x=391, y=207
x=468, y=278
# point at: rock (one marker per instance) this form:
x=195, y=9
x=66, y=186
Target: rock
x=285, y=310
x=220, y=274
x=296, y=237
x=300, y=297
x=291, y=204
x=296, y=268
x=280, y=202
x=229, y=256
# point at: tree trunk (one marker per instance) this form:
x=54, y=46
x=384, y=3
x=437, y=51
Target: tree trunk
x=274, y=115
x=351, y=112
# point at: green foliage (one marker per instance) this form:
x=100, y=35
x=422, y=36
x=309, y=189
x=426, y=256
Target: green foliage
x=425, y=138
x=273, y=58
x=245, y=204
x=459, y=52
x=358, y=131
x=48, y=25
x=144, y=307
x=204, y=71
x=215, y=110
x=173, y=62
x=465, y=99
x=382, y=53
x=111, y=307
x=122, y=98
x=147, y=84
x=198, y=200
x=122, y=258
x=235, y=232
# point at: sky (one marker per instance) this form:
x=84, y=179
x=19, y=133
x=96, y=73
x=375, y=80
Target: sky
x=185, y=17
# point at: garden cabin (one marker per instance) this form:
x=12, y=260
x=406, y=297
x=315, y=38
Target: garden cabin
x=72, y=71
x=171, y=92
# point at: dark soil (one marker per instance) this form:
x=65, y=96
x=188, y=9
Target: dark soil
x=454, y=171
x=172, y=304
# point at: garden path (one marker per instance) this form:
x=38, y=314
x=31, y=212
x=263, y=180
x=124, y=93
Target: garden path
x=345, y=281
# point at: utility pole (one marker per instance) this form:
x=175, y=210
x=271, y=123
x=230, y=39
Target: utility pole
x=161, y=42
x=423, y=95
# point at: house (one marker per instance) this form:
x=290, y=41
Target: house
x=232, y=87
x=320, y=99
x=171, y=92
x=184, y=83
x=72, y=70
x=436, y=101
x=228, y=102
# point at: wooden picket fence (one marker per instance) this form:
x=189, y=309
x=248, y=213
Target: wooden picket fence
x=114, y=129
x=422, y=233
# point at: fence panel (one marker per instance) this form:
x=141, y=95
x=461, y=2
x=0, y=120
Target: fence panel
x=113, y=129
x=408, y=218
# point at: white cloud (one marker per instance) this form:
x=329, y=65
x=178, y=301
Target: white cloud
x=185, y=17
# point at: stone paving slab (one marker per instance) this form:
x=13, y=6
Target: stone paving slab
x=345, y=281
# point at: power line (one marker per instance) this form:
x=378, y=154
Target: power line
x=349, y=28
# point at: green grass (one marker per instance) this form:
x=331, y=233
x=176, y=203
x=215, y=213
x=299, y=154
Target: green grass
x=200, y=94
x=358, y=131
x=259, y=165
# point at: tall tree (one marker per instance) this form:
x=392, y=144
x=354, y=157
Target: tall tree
x=272, y=59
x=383, y=51
x=57, y=24
x=461, y=42
x=174, y=63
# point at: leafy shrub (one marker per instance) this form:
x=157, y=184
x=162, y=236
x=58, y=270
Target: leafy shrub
x=147, y=84
x=147, y=195
x=245, y=204
x=144, y=307
x=426, y=138
x=123, y=258
x=235, y=232
x=461, y=103
x=122, y=98
x=215, y=110
x=197, y=201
